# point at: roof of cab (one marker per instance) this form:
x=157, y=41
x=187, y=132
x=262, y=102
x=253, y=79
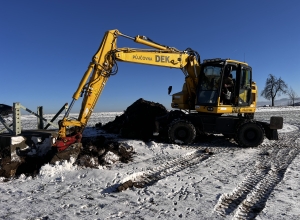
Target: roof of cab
x=228, y=60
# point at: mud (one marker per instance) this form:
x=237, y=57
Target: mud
x=138, y=120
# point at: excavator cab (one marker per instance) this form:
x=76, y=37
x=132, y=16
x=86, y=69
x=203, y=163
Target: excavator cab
x=225, y=86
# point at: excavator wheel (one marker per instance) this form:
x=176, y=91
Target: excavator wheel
x=249, y=134
x=182, y=132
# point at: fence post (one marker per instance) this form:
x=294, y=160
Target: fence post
x=40, y=121
x=17, y=118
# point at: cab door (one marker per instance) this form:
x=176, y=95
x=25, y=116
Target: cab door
x=243, y=85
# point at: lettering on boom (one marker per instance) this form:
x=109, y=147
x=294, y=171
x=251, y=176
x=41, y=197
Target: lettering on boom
x=163, y=59
x=141, y=57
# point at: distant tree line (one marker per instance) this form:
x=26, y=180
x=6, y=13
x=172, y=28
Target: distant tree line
x=275, y=87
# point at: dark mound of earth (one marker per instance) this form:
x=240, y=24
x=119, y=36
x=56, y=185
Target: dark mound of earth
x=138, y=120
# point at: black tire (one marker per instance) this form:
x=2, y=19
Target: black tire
x=182, y=132
x=249, y=134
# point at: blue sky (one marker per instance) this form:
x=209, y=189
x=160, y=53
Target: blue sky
x=46, y=46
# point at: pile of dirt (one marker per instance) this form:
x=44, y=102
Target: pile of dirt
x=138, y=120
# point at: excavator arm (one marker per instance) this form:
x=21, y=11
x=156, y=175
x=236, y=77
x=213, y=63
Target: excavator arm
x=103, y=65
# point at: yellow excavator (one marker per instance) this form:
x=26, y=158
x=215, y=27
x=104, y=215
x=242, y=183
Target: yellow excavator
x=218, y=95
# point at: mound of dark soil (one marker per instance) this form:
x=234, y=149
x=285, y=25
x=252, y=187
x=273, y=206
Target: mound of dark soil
x=138, y=121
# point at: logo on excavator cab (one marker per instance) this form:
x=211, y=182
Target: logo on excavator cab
x=163, y=59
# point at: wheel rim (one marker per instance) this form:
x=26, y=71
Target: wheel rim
x=181, y=133
x=250, y=135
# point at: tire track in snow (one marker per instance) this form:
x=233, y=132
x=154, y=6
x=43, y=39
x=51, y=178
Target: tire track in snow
x=249, y=198
x=168, y=168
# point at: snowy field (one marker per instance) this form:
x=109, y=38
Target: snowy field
x=212, y=179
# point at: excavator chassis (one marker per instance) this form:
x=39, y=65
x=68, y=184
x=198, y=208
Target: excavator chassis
x=183, y=128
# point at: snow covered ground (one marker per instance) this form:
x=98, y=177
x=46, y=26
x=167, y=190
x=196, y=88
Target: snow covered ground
x=212, y=179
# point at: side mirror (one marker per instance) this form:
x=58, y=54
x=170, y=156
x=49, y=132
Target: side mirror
x=169, y=90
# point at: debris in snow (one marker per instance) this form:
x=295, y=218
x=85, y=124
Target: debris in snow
x=111, y=158
x=130, y=184
x=101, y=151
x=94, y=152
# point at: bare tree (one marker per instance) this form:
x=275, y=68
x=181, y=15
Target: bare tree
x=273, y=88
x=292, y=95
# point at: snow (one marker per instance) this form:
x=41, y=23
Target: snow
x=17, y=140
x=288, y=128
x=213, y=179
x=276, y=109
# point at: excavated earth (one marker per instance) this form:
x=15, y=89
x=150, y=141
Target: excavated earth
x=137, y=122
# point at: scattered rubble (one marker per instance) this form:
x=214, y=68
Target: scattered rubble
x=95, y=152
x=130, y=184
x=100, y=151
